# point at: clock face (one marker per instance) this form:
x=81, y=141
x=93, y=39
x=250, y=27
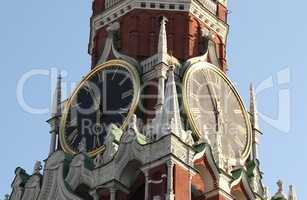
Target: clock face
x=216, y=112
x=108, y=94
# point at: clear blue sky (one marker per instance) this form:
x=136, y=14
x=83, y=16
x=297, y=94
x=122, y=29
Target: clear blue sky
x=265, y=37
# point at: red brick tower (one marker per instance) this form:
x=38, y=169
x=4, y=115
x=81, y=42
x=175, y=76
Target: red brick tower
x=188, y=21
x=180, y=130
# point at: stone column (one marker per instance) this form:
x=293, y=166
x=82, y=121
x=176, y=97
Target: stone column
x=190, y=186
x=146, y=184
x=112, y=193
x=170, y=182
x=94, y=194
x=161, y=86
x=52, y=142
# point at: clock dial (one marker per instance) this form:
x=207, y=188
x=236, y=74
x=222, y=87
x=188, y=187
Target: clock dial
x=216, y=112
x=108, y=94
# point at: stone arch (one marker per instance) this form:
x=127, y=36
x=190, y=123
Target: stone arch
x=130, y=173
x=133, y=178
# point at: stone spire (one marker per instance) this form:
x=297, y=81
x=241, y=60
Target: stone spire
x=54, y=121
x=253, y=108
x=254, y=122
x=162, y=62
x=168, y=120
x=162, y=44
x=292, y=193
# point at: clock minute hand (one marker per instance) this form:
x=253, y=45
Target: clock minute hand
x=211, y=93
x=215, y=101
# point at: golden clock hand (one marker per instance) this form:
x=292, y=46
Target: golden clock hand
x=211, y=93
x=209, y=89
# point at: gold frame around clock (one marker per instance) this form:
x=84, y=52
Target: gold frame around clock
x=205, y=65
x=136, y=96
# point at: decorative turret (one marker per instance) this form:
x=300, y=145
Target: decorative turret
x=56, y=112
x=254, y=122
x=168, y=120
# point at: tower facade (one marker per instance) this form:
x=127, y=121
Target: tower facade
x=156, y=117
x=188, y=23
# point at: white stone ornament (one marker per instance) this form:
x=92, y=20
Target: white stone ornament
x=110, y=146
x=109, y=47
x=37, y=167
x=266, y=194
x=189, y=139
x=280, y=192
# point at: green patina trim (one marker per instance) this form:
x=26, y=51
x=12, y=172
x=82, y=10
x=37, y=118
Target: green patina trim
x=88, y=162
x=251, y=166
x=67, y=160
x=117, y=134
x=199, y=147
x=141, y=139
x=236, y=174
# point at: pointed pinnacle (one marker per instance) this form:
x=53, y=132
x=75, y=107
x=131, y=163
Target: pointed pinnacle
x=162, y=44
x=57, y=97
x=253, y=109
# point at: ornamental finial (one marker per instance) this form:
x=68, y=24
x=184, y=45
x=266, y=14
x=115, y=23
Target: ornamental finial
x=280, y=192
x=37, y=167
x=292, y=193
